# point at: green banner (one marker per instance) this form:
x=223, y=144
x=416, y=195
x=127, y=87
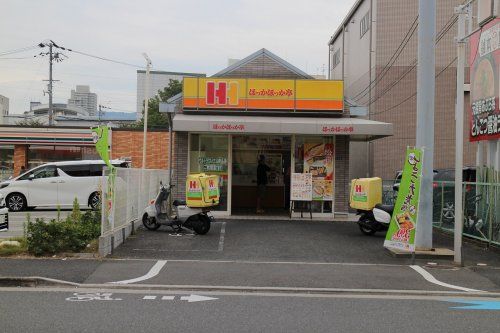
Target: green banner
x=401, y=234
x=100, y=136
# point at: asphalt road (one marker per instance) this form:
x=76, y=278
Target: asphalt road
x=25, y=310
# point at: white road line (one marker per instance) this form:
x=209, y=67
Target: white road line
x=428, y=276
x=167, y=298
x=149, y=297
x=222, y=235
x=152, y=273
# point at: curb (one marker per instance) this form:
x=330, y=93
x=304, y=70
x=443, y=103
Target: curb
x=36, y=281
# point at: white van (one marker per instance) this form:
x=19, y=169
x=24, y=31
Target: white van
x=56, y=184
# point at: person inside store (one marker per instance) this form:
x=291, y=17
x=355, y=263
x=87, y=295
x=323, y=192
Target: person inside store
x=262, y=170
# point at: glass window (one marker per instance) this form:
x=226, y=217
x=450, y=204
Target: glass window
x=6, y=161
x=209, y=154
x=315, y=154
x=43, y=172
x=364, y=25
x=82, y=170
x=38, y=155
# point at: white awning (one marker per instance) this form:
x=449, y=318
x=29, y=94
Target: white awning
x=358, y=129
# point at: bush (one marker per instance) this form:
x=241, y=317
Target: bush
x=69, y=235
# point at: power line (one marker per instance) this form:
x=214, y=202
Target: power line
x=447, y=26
x=440, y=35
x=415, y=93
x=23, y=49
x=99, y=57
x=393, y=59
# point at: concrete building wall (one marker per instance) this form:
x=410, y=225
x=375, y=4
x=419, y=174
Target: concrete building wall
x=393, y=94
x=4, y=108
x=158, y=81
x=82, y=97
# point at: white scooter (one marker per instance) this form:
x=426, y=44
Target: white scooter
x=377, y=219
x=156, y=214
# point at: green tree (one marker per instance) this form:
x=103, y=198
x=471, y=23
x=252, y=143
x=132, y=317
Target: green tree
x=155, y=118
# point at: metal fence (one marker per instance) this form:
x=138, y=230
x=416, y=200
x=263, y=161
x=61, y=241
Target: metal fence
x=133, y=189
x=481, y=208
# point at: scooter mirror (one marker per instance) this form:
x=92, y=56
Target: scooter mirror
x=161, y=183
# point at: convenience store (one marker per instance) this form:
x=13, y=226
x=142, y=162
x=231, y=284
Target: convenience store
x=262, y=105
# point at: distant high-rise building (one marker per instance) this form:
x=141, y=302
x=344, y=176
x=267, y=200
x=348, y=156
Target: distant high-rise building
x=158, y=80
x=4, y=107
x=83, y=98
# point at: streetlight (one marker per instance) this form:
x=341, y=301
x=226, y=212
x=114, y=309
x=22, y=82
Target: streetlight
x=146, y=93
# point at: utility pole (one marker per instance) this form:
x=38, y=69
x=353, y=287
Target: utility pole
x=51, y=110
x=146, y=93
x=462, y=12
x=425, y=117
x=57, y=57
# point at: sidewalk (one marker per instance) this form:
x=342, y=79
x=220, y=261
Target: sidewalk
x=288, y=254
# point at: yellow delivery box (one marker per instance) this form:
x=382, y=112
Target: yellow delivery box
x=202, y=190
x=365, y=193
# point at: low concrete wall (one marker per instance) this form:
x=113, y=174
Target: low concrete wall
x=111, y=240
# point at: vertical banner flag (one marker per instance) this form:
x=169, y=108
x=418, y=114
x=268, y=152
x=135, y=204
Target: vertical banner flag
x=100, y=136
x=401, y=234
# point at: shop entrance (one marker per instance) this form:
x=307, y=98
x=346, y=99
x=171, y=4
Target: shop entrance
x=246, y=150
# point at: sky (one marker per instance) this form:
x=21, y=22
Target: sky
x=178, y=35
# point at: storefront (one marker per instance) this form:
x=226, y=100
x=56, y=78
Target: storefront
x=297, y=123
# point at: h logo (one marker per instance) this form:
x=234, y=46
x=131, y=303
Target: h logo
x=358, y=188
x=192, y=184
x=222, y=93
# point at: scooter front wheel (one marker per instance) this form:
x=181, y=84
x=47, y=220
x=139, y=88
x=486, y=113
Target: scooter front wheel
x=150, y=222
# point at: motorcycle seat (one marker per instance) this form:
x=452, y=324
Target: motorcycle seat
x=179, y=202
x=386, y=208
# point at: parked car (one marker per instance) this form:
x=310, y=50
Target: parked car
x=444, y=191
x=56, y=184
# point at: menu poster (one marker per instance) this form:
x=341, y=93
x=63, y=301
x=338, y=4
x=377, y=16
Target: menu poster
x=318, y=161
x=322, y=189
x=301, y=187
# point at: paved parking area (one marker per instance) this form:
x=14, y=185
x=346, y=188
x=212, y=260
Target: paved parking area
x=18, y=220
x=281, y=241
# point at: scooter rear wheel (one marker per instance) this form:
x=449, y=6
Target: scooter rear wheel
x=365, y=230
x=150, y=222
x=202, y=226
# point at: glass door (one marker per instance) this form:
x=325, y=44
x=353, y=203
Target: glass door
x=208, y=153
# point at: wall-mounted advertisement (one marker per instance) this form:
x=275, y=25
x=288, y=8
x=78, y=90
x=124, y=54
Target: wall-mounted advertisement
x=318, y=161
x=484, y=86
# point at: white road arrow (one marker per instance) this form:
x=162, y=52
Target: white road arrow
x=197, y=298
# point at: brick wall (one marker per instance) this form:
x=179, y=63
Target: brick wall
x=341, y=188
x=129, y=144
x=20, y=158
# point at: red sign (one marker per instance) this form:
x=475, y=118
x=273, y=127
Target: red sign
x=228, y=127
x=337, y=129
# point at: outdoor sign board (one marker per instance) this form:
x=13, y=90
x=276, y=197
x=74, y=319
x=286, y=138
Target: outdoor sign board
x=262, y=94
x=401, y=233
x=484, y=86
x=301, y=187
